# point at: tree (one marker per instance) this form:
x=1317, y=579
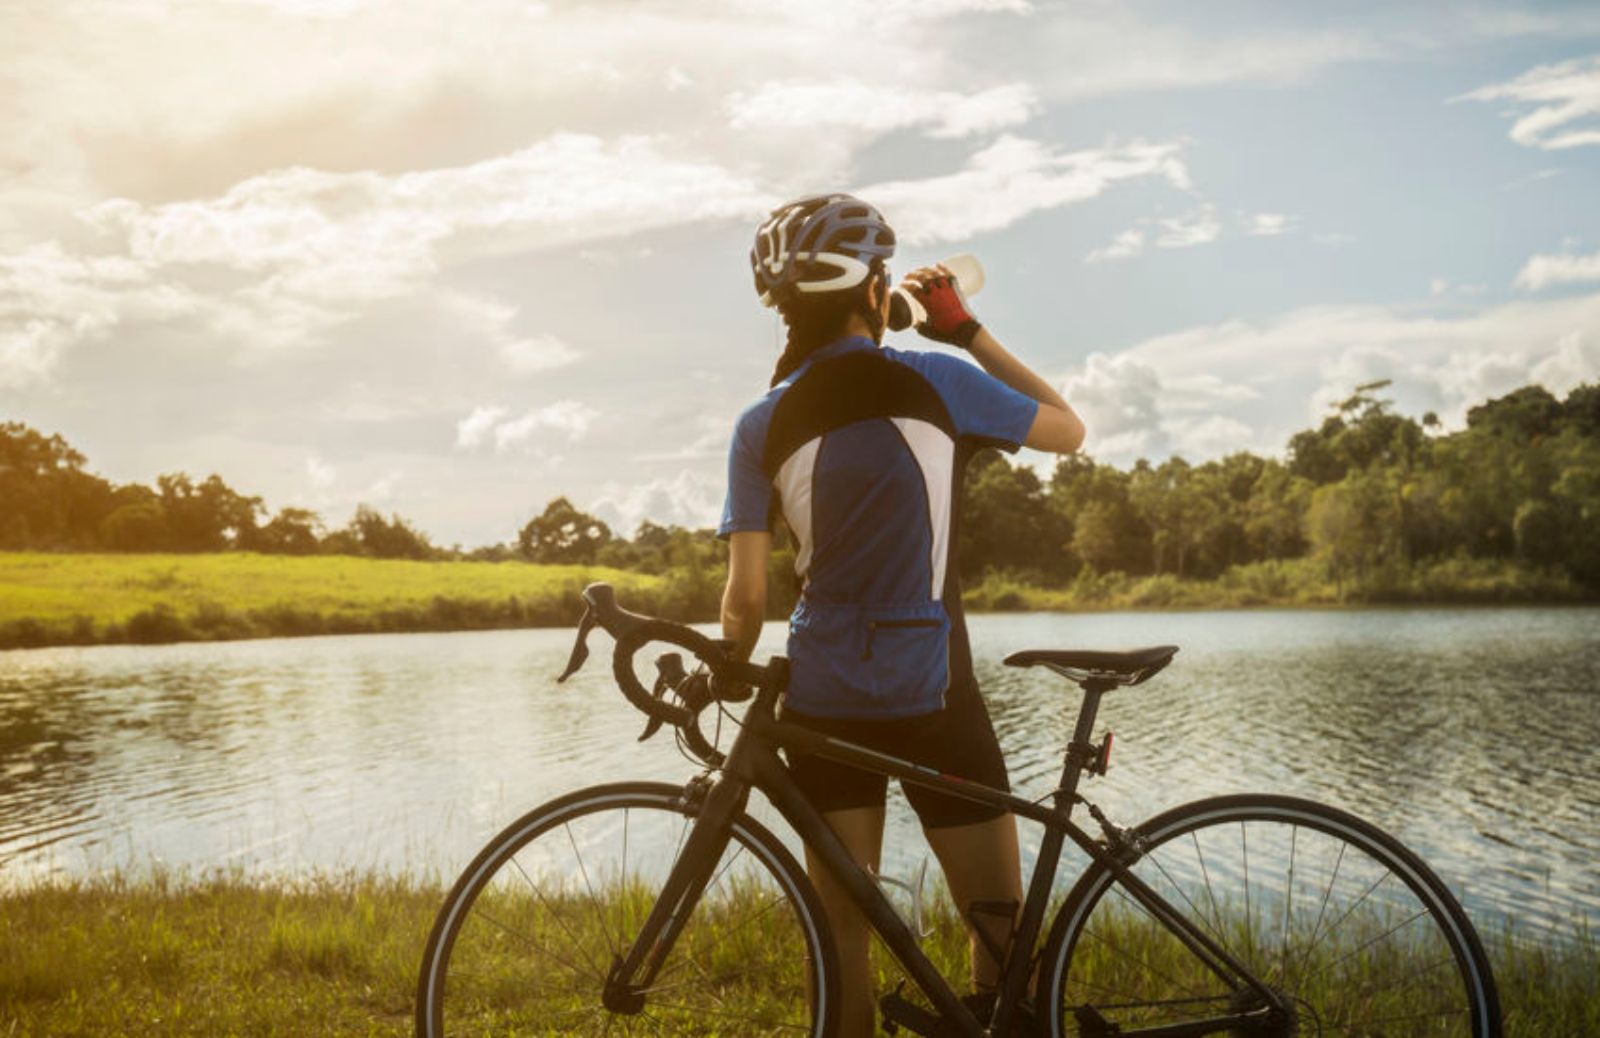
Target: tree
x=293, y=531
x=1525, y=414
x=1006, y=522
x=561, y=533
x=48, y=500
x=391, y=538
x=208, y=516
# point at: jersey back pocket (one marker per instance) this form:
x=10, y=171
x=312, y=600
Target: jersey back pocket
x=850, y=660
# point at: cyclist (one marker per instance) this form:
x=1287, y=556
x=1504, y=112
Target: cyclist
x=861, y=449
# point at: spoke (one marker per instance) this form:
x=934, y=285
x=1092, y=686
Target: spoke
x=1397, y=1019
x=625, y=812
x=1311, y=942
x=530, y=942
x=1216, y=912
x=557, y=916
x=594, y=899
x=1340, y=921
x=1196, y=908
x=1186, y=989
x=702, y=1011
x=720, y=978
x=681, y=961
x=1363, y=947
x=1288, y=904
x=1429, y=968
x=1249, y=919
x=725, y=867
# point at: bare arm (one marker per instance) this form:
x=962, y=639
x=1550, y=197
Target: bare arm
x=744, y=600
x=1056, y=428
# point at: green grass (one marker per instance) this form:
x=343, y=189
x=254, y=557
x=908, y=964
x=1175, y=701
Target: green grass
x=1285, y=582
x=89, y=598
x=85, y=599
x=338, y=955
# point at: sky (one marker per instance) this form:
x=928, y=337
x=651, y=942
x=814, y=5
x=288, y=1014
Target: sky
x=453, y=258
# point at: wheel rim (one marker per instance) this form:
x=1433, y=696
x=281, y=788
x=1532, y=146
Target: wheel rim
x=525, y=944
x=1351, y=936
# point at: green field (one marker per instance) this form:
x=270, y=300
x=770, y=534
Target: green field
x=86, y=599
x=89, y=598
x=339, y=956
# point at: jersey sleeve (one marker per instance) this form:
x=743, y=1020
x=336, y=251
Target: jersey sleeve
x=749, y=502
x=981, y=406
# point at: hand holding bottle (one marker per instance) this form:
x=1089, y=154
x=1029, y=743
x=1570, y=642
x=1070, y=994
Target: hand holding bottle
x=939, y=293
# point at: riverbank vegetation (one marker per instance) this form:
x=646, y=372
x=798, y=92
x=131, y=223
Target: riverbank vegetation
x=1368, y=507
x=339, y=956
x=84, y=599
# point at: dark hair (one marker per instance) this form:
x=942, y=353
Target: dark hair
x=816, y=320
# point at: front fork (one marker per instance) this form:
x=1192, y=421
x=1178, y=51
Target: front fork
x=713, y=804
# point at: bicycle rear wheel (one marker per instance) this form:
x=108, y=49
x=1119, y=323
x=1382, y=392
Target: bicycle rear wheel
x=1351, y=930
x=525, y=940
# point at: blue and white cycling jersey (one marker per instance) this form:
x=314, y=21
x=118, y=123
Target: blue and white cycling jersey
x=859, y=449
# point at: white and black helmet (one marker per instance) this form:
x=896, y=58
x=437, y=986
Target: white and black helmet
x=824, y=243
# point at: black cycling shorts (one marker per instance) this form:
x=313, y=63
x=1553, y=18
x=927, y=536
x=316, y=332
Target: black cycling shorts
x=957, y=740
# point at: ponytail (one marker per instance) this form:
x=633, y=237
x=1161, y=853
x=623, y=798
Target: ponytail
x=814, y=321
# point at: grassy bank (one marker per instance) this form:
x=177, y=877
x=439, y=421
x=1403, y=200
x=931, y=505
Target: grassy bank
x=1291, y=582
x=339, y=956
x=84, y=599
x=87, y=599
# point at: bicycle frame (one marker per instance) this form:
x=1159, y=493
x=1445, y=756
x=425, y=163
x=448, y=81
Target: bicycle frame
x=753, y=761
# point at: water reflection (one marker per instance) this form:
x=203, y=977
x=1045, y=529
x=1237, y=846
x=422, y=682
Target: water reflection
x=1471, y=734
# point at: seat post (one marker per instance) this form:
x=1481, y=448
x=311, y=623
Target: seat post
x=1082, y=732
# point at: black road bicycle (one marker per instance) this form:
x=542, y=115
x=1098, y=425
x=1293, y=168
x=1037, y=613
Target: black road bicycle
x=653, y=909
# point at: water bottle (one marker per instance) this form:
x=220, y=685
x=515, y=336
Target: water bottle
x=905, y=311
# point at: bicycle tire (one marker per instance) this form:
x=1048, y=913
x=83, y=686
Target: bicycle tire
x=1406, y=959
x=523, y=941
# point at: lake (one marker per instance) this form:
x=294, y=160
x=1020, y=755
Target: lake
x=1471, y=734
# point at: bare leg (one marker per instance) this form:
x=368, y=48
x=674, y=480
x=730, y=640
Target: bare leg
x=861, y=831
x=981, y=862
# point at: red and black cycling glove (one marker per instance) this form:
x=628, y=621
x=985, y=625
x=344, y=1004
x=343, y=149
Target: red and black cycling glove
x=949, y=320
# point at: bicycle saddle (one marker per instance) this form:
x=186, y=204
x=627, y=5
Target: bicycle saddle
x=1113, y=668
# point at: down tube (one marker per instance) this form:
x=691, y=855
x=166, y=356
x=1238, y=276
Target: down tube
x=773, y=780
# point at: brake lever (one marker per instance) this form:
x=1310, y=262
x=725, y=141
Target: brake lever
x=669, y=674
x=580, y=648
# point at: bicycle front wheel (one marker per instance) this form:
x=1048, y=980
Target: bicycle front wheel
x=528, y=934
x=1352, y=932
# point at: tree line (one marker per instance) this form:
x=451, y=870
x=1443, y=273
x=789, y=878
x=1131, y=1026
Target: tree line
x=1368, y=494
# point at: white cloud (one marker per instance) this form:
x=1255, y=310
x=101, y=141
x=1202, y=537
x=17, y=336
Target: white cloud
x=319, y=472
x=1267, y=225
x=1012, y=179
x=690, y=498
x=539, y=353
x=1566, y=100
x=1093, y=50
x=363, y=236
x=283, y=259
x=1200, y=227
x=476, y=427
x=846, y=103
x=1542, y=271
x=567, y=418
x=1132, y=411
x=1440, y=363
x=50, y=299
x=1125, y=245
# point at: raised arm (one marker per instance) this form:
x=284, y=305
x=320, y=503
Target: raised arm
x=1057, y=427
